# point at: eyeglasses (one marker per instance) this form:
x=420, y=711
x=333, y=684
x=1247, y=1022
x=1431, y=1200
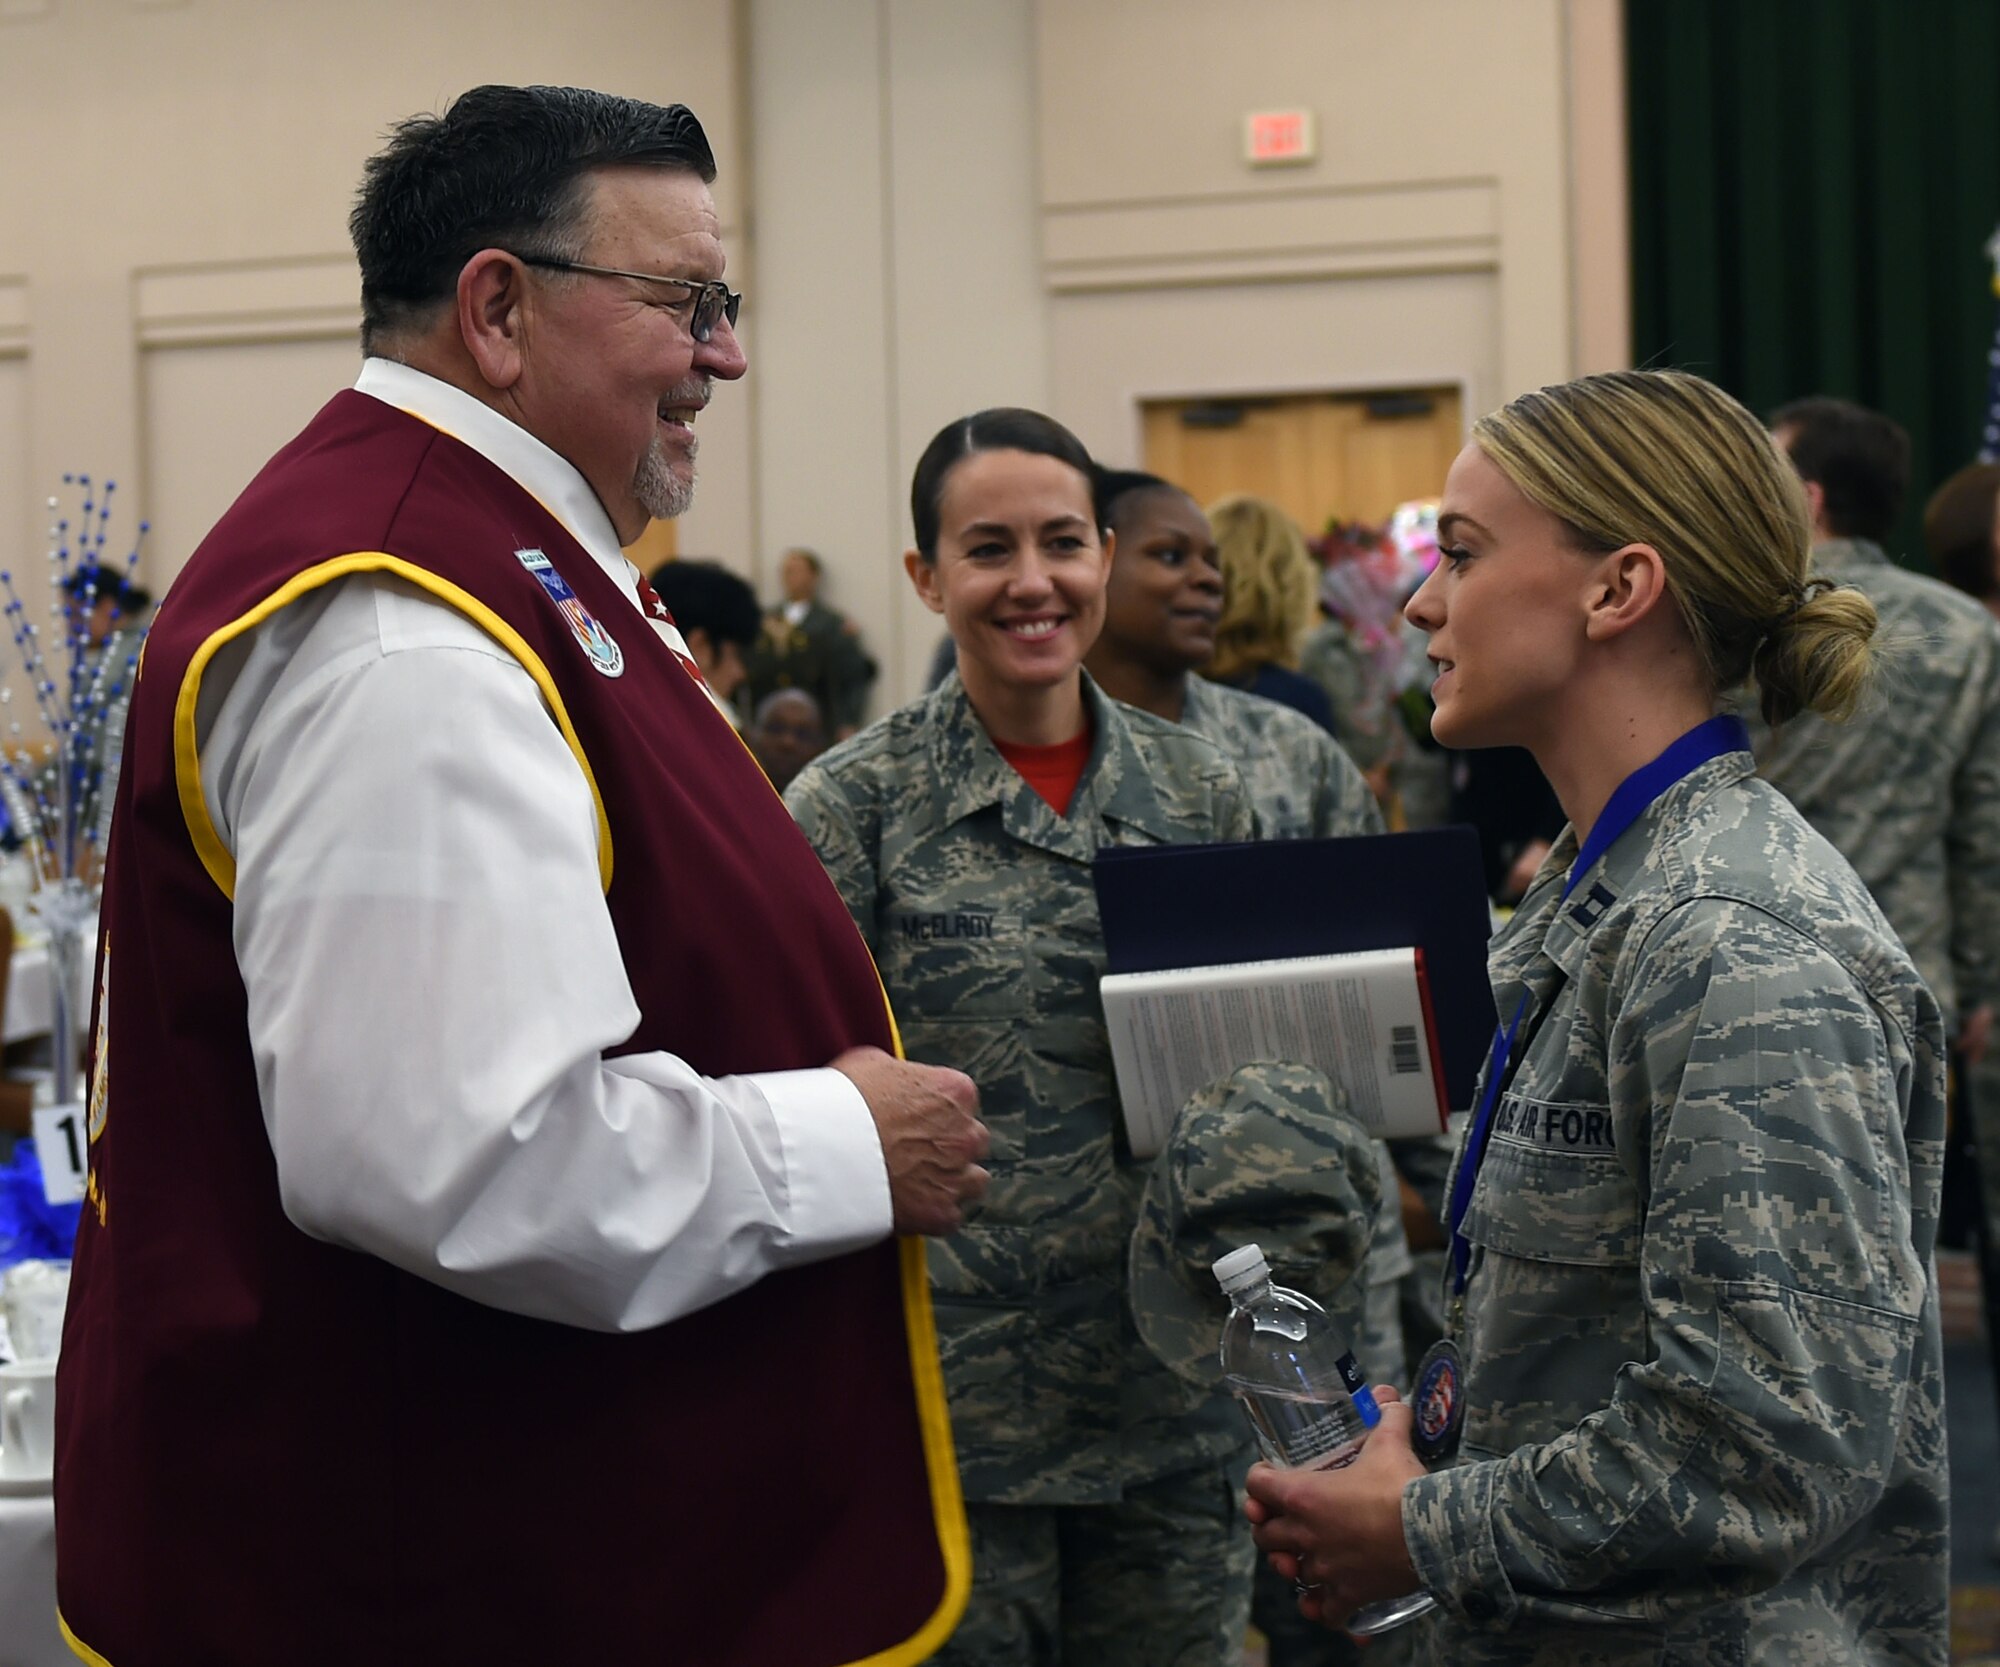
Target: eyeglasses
x=711, y=301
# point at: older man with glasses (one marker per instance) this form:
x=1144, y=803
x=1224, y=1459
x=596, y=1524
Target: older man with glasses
x=489, y=1252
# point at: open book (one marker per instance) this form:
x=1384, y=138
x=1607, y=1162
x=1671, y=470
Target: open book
x=1363, y=1018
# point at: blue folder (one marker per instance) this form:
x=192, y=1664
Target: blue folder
x=1168, y=906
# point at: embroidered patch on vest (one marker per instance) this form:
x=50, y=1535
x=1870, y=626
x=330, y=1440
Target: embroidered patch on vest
x=605, y=654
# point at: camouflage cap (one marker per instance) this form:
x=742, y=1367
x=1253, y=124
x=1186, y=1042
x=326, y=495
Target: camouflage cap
x=1268, y=1155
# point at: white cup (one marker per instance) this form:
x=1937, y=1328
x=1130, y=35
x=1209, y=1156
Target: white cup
x=28, y=1421
x=33, y=1296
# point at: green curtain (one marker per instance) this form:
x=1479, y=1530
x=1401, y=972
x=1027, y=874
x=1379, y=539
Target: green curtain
x=1813, y=186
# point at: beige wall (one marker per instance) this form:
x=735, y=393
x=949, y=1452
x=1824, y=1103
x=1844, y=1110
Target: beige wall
x=1428, y=242
x=18, y=555
x=898, y=282
x=210, y=414
x=1600, y=225
x=187, y=289
x=957, y=203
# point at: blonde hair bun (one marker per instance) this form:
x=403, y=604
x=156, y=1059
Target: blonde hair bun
x=1818, y=658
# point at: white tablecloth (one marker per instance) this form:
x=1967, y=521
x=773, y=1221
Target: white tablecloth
x=28, y=1634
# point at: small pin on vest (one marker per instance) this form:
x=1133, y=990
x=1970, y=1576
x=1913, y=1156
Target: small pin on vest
x=604, y=652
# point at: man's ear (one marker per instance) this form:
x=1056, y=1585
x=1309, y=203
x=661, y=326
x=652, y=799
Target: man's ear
x=1627, y=586
x=492, y=296
x=1815, y=502
x=923, y=575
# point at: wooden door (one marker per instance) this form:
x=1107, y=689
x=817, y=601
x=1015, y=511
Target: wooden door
x=1354, y=457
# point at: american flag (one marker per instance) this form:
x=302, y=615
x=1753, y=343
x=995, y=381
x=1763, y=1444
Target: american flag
x=1989, y=438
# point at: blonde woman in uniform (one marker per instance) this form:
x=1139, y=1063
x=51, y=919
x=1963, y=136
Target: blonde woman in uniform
x=1693, y=1305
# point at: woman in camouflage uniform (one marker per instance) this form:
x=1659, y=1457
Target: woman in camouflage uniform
x=1693, y=1286
x=960, y=830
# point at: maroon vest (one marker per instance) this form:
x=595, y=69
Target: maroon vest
x=274, y=1450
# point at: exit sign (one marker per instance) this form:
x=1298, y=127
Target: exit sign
x=1275, y=137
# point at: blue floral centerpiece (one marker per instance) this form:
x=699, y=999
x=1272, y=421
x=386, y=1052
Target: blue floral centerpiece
x=58, y=793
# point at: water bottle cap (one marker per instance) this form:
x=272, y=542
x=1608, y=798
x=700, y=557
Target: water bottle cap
x=1241, y=1268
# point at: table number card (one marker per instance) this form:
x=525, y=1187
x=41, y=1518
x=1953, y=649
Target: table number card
x=64, y=1149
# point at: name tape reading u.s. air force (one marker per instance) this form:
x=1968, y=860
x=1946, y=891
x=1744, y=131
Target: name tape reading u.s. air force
x=1556, y=1127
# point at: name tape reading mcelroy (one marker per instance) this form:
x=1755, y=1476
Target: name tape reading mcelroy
x=933, y=928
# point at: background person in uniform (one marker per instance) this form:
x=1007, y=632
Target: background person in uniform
x=1698, y=1315
x=960, y=830
x=478, y=1160
x=716, y=613
x=1269, y=582
x=807, y=645
x=786, y=733
x=1962, y=534
x=1161, y=610
x=1909, y=792
x=1354, y=651
x=1164, y=605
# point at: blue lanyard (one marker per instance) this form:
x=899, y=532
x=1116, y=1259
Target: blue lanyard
x=1635, y=795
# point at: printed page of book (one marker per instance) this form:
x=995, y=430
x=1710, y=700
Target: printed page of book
x=1172, y=906
x=1362, y=1018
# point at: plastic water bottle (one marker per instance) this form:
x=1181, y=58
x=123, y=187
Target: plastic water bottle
x=1298, y=1384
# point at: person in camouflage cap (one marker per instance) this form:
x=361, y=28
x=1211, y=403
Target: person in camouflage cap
x=1694, y=1288
x=960, y=829
x=1164, y=601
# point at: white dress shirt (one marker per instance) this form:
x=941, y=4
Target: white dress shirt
x=433, y=976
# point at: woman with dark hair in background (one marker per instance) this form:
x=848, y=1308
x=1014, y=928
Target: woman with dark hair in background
x=1691, y=1285
x=1164, y=609
x=960, y=830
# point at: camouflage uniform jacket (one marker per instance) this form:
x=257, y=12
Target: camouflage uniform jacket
x=976, y=899
x=1909, y=791
x=1703, y=1371
x=1303, y=786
